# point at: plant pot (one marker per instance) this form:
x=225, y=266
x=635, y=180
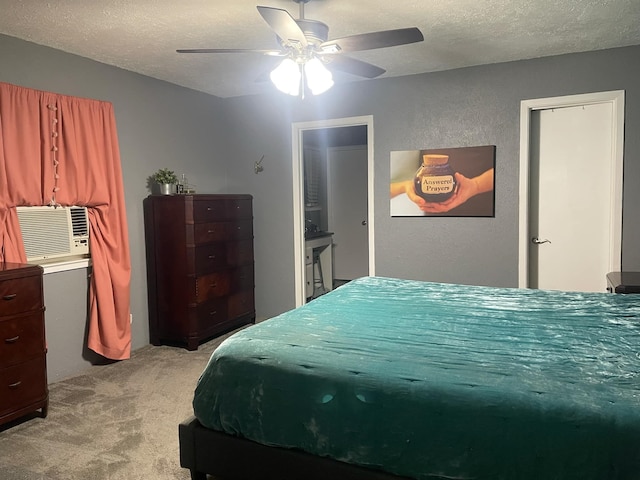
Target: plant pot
x=167, y=188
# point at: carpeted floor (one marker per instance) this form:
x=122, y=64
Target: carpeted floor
x=117, y=421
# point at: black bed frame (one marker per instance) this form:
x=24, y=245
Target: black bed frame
x=204, y=451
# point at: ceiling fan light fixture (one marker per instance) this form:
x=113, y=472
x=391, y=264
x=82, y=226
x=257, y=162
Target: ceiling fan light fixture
x=319, y=78
x=305, y=45
x=286, y=77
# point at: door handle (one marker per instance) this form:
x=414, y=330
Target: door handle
x=537, y=241
x=364, y=222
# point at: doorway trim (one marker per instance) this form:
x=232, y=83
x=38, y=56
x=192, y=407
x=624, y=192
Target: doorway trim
x=297, y=130
x=527, y=107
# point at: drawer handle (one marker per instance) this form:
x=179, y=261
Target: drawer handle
x=211, y=257
x=213, y=285
x=10, y=297
x=15, y=385
x=211, y=231
x=213, y=313
x=208, y=209
x=12, y=340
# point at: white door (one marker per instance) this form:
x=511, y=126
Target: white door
x=572, y=179
x=347, y=204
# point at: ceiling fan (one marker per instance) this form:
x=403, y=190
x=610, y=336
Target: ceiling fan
x=308, y=52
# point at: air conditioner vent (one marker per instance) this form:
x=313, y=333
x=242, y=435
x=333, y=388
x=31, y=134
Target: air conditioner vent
x=50, y=232
x=79, y=221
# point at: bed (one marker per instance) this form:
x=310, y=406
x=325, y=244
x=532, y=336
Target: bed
x=386, y=378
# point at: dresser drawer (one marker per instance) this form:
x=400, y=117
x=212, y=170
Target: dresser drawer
x=241, y=303
x=21, y=338
x=240, y=252
x=218, y=256
x=240, y=229
x=239, y=208
x=206, y=211
x=220, y=231
x=212, y=285
x=209, y=258
x=211, y=313
x=23, y=384
x=19, y=295
x=209, y=232
x=242, y=278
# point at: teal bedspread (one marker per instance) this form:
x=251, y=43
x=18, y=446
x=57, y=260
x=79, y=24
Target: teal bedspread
x=431, y=380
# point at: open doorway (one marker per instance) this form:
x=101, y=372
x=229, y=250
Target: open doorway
x=332, y=167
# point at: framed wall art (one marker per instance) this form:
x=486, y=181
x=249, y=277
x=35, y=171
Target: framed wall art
x=453, y=182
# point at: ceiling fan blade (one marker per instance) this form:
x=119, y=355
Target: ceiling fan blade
x=353, y=66
x=283, y=24
x=369, y=41
x=274, y=53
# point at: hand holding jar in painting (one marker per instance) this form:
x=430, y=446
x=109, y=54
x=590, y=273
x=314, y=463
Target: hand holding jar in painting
x=406, y=186
x=466, y=188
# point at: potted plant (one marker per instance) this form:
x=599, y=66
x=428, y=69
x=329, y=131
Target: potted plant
x=166, y=179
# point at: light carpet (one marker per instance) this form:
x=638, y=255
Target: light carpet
x=116, y=421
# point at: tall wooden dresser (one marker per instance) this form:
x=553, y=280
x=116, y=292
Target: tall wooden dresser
x=200, y=278
x=23, y=366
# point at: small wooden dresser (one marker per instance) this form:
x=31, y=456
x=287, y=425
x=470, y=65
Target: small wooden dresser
x=23, y=367
x=200, y=278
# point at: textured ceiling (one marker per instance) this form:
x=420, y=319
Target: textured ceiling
x=142, y=35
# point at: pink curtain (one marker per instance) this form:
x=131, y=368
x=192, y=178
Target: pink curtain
x=56, y=149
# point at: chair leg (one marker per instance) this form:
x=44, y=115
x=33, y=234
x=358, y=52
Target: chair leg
x=318, y=281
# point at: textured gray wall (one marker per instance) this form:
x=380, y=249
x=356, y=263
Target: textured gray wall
x=159, y=125
x=466, y=107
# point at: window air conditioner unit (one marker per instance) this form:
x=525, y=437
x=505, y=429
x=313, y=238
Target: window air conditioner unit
x=54, y=232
